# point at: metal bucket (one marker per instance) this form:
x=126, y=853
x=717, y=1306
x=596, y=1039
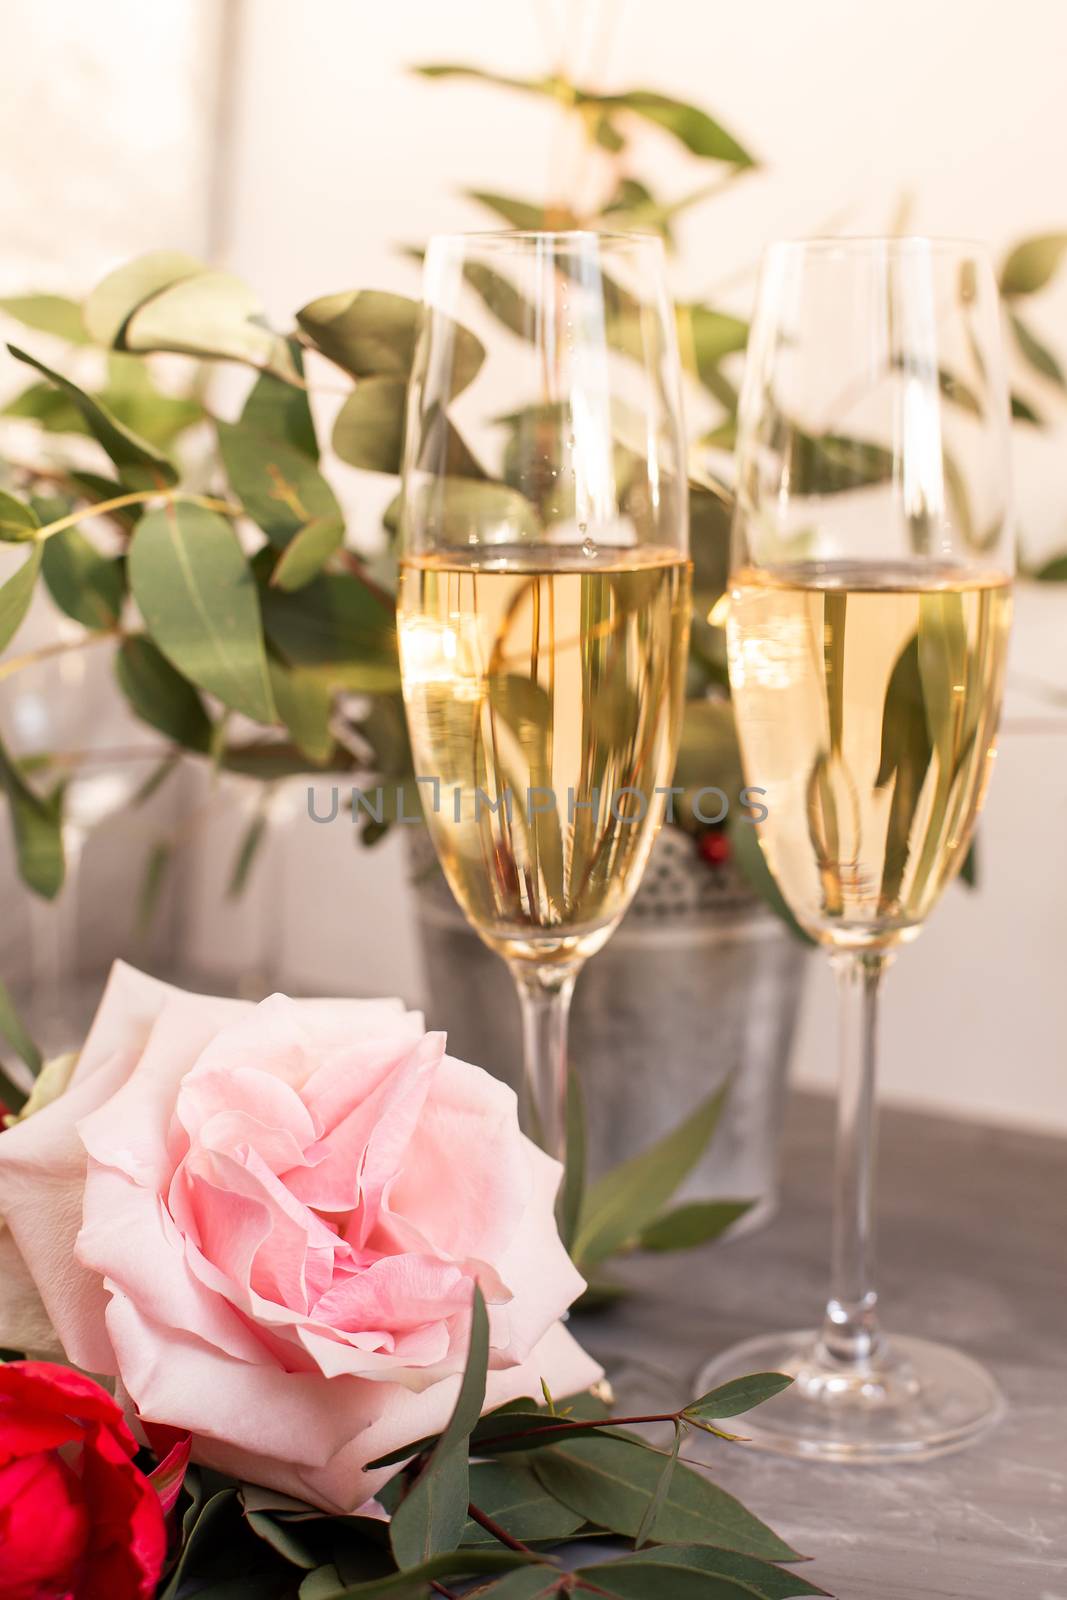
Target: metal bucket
x=699, y=982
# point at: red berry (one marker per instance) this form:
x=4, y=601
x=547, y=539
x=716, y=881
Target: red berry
x=714, y=849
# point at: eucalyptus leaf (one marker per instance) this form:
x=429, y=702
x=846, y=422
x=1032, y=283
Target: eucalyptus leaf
x=1033, y=264
x=15, y=1032
x=528, y=1583
x=37, y=824
x=450, y=69
x=132, y=397
x=83, y=583
x=511, y=1494
x=661, y=1491
x=1054, y=571
x=749, y=859
x=282, y=1539
x=708, y=336
x=140, y=464
x=16, y=595
x=692, y=127
x=572, y=1189
x=431, y=1518
x=1023, y=411
x=213, y=315
x=248, y=849
x=18, y=521
x=833, y=463
x=757, y=1577
x=459, y=508
x=308, y=552
x=95, y=487
x=619, y=1206
x=692, y=1224
x=372, y=334
x=53, y=411
x=608, y=1481
x=412, y=1583
x=339, y=628
x=281, y=410
x=160, y=695
x=48, y=313
x=156, y=871
x=1037, y=354
x=115, y=299
x=740, y=1394
x=369, y=429
x=501, y=298
x=906, y=752
x=525, y=215
x=196, y=593
x=279, y=486
x=305, y=705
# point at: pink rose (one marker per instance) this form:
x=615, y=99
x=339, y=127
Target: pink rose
x=267, y=1222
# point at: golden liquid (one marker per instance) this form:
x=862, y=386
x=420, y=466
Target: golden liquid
x=562, y=684
x=867, y=703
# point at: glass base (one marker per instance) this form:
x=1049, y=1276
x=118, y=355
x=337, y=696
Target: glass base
x=915, y=1400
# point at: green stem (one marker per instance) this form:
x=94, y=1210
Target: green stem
x=101, y=508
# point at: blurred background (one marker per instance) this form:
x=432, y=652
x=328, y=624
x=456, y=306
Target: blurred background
x=295, y=146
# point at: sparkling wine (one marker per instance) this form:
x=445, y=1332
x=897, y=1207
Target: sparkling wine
x=546, y=700
x=867, y=700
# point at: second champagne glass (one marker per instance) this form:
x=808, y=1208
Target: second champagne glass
x=869, y=611
x=544, y=598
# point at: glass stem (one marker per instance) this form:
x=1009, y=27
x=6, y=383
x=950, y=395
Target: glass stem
x=850, y=1332
x=545, y=998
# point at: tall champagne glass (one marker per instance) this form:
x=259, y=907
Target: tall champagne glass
x=544, y=598
x=869, y=612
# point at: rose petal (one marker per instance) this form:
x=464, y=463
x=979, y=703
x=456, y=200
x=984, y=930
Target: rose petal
x=24, y=1322
x=128, y=1538
x=42, y=1178
x=130, y=1133
x=340, y=1484
x=258, y=1408
x=543, y=1278
x=126, y=1240
x=469, y=1207
x=44, y=1527
x=355, y=1159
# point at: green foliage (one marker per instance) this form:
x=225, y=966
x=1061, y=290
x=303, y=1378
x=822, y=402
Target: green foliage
x=37, y=827
x=160, y=695
x=18, y=521
x=432, y=1517
x=88, y=586
x=1032, y=264
x=454, y=1519
x=369, y=430
x=16, y=593
x=279, y=485
x=197, y=595
x=620, y=1205
x=47, y=313
x=139, y=464
x=610, y=1481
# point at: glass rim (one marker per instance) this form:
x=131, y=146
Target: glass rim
x=881, y=244
x=506, y=236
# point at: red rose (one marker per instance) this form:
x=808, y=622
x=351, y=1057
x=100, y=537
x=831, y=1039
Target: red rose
x=78, y=1521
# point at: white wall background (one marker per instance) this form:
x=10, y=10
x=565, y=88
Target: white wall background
x=324, y=154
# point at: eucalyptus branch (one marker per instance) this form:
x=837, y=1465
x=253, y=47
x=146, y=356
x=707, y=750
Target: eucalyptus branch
x=63, y=647
x=101, y=508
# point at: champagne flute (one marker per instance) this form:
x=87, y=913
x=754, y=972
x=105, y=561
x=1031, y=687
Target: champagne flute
x=870, y=605
x=543, y=610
